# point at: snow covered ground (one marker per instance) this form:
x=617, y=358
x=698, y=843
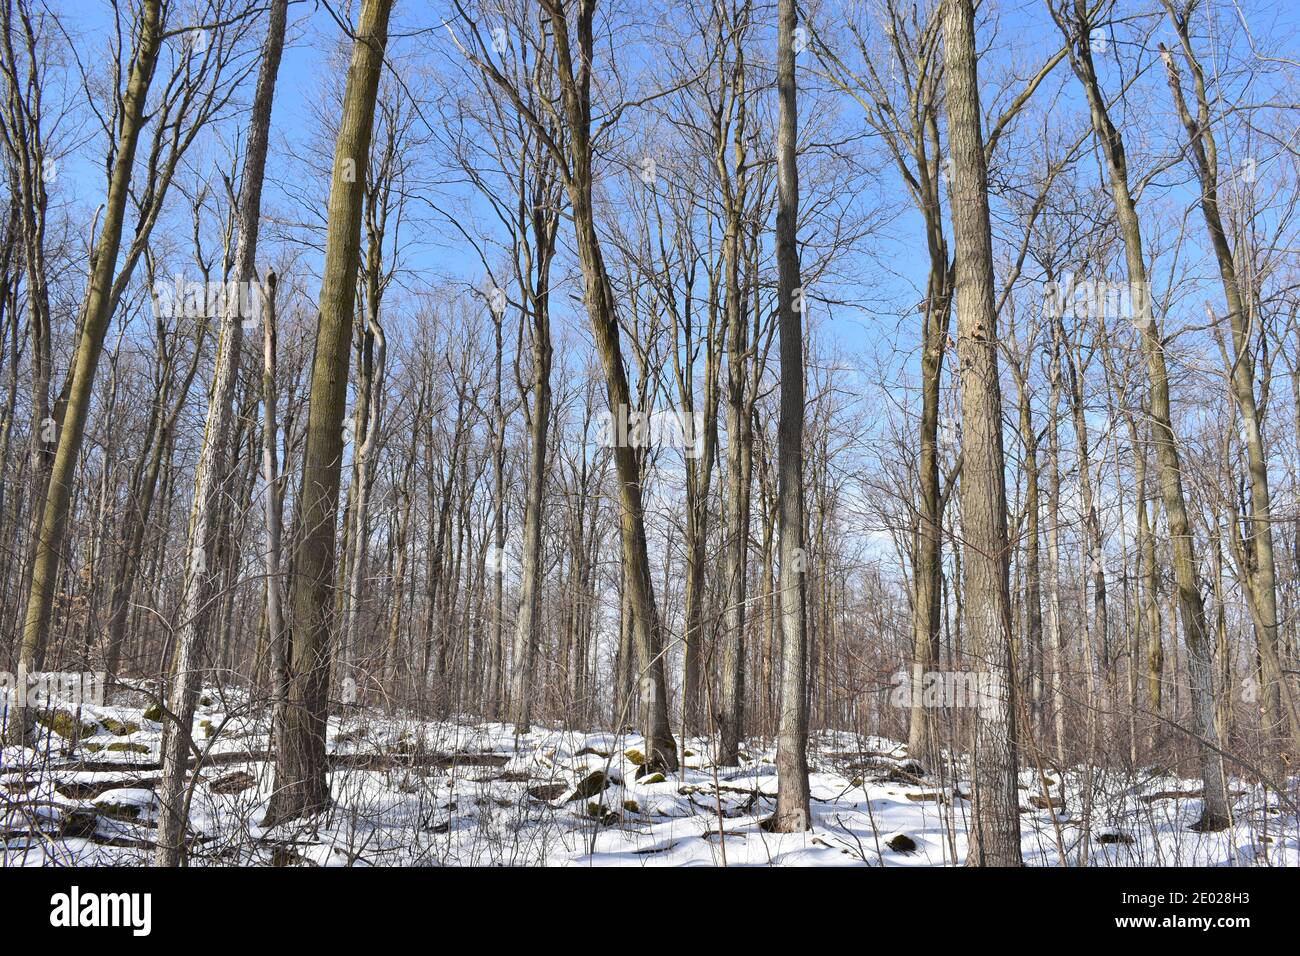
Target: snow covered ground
x=426, y=793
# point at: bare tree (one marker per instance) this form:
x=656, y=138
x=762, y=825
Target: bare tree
x=301, y=786
x=995, y=836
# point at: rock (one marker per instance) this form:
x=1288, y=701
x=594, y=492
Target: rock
x=1113, y=837
x=123, y=747
x=79, y=823
x=547, y=792
x=119, y=728
x=653, y=778
x=209, y=730
x=154, y=713
x=65, y=724
x=205, y=701
x=635, y=756
x=593, y=783
x=287, y=856
x=605, y=815
x=1038, y=801
x=902, y=844
x=236, y=782
x=631, y=806
x=120, y=811
x=124, y=804
x=592, y=752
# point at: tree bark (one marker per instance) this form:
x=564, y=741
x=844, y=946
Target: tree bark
x=1215, y=811
x=995, y=829
x=301, y=785
x=792, y=801
x=96, y=312
x=201, y=574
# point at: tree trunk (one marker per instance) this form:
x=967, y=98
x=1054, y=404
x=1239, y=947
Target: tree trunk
x=792, y=802
x=1215, y=813
x=210, y=479
x=96, y=313
x=995, y=829
x=301, y=786
x=661, y=749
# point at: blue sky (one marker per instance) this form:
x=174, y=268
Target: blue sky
x=892, y=269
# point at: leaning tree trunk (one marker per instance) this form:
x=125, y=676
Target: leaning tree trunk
x=574, y=81
x=96, y=312
x=1261, y=593
x=301, y=786
x=202, y=566
x=995, y=829
x=1215, y=810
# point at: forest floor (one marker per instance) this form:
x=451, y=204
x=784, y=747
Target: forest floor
x=410, y=792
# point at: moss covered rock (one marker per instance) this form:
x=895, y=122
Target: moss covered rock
x=605, y=815
x=236, y=782
x=120, y=811
x=124, y=747
x=65, y=724
x=592, y=784
x=902, y=843
x=154, y=713
x=119, y=728
x=635, y=756
x=654, y=778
